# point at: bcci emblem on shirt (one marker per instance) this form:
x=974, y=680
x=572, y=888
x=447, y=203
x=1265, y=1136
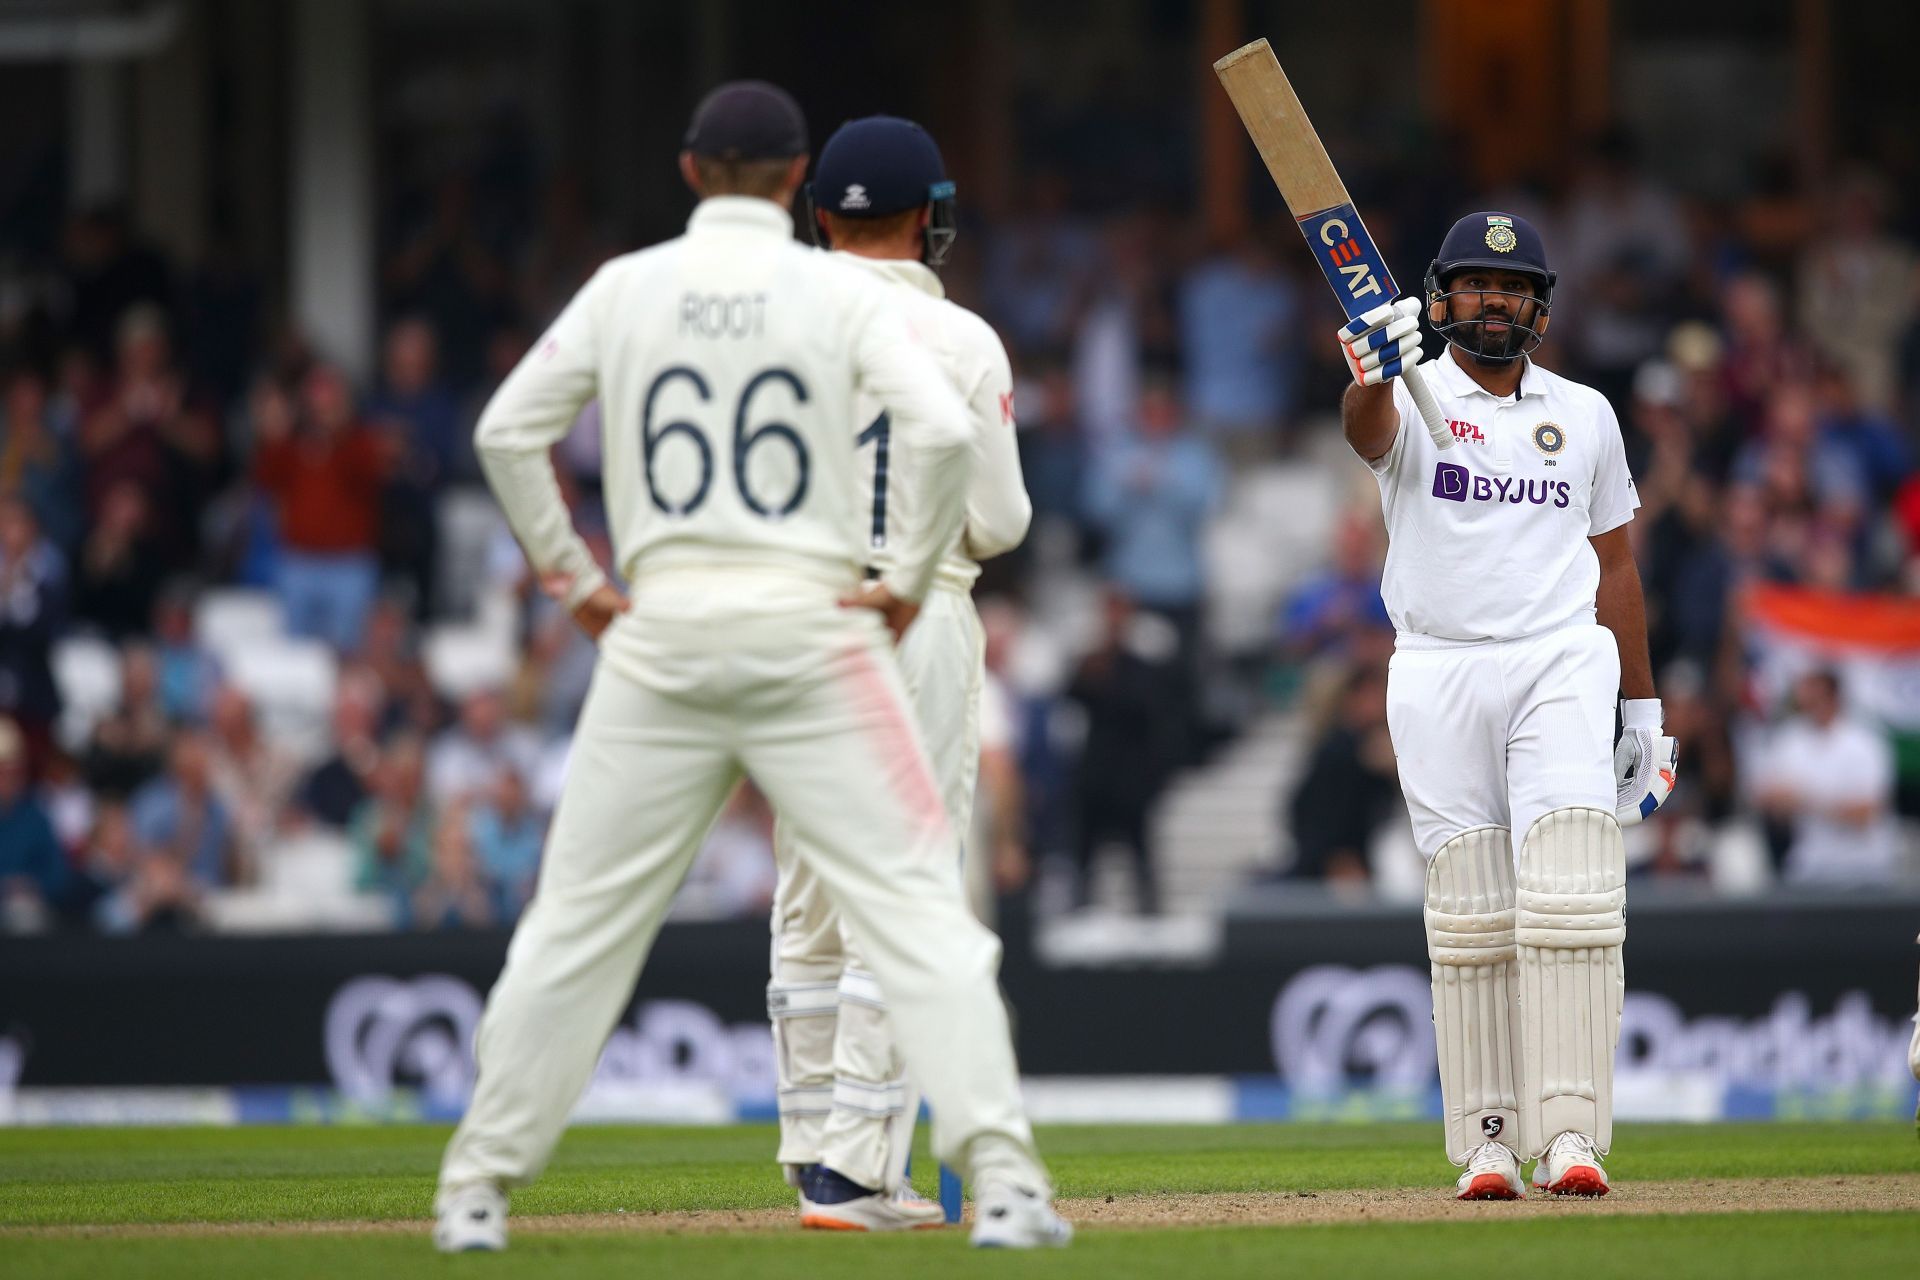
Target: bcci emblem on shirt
x=1549, y=438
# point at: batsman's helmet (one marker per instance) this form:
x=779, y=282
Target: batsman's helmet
x=879, y=166
x=1492, y=241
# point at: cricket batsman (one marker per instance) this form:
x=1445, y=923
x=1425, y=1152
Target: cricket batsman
x=1519, y=617
x=729, y=363
x=881, y=200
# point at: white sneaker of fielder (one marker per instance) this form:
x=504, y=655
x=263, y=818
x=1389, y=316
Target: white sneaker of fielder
x=901, y=1211
x=1008, y=1217
x=470, y=1218
x=1571, y=1167
x=1493, y=1173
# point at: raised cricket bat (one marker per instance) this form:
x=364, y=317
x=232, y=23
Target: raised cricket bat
x=1317, y=198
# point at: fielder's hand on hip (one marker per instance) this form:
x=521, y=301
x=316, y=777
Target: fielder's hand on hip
x=1644, y=761
x=898, y=614
x=592, y=613
x=1383, y=343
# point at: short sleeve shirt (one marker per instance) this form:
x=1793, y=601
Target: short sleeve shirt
x=1488, y=540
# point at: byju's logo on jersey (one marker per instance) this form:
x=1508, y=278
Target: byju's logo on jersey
x=1457, y=484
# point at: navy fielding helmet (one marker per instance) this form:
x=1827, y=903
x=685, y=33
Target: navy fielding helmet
x=877, y=167
x=1492, y=241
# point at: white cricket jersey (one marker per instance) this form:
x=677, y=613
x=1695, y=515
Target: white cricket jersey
x=1488, y=541
x=727, y=363
x=975, y=362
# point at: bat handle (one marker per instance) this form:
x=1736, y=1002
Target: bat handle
x=1429, y=408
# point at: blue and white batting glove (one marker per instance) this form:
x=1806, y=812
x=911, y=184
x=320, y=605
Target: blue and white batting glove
x=1383, y=343
x=1644, y=762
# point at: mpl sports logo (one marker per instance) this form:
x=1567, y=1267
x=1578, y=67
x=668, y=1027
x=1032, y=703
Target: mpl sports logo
x=1455, y=483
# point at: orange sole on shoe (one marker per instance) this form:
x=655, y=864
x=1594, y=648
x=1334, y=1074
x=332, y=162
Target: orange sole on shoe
x=1488, y=1186
x=1581, y=1180
x=819, y=1222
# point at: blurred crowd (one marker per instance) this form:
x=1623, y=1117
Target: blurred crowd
x=165, y=437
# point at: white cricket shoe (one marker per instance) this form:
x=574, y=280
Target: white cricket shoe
x=1571, y=1167
x=1009, y=1217
x=901, y=1211
x=470, y=1217
x=1493, y=1173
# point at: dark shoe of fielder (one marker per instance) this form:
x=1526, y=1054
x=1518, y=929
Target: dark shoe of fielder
x=832, y=1202
x=1493, y=1173
x=1571, y=1167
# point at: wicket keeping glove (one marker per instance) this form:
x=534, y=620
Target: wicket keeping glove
x=1644, y=762
x=1383, y=343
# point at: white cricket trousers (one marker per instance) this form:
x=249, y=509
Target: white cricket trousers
x=1501, y=733
x=709, y=676
x=855, y=1068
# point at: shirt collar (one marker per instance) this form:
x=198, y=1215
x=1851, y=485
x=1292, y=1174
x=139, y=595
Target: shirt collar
x=905, y=271
x=748, y=213
x=1458, y=382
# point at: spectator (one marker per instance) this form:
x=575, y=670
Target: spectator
x=148, y=436
x=33, y=867
x=733, y=875
x=334, y=789
x=129, y=743
x=32, y=614
x=135, y=893
x=1238, y=312
x=421, y=423
x=1052, y=454
x=393, y=829
x=37, y=463
x=1151, y=495
x=188, y=674
x=1348, y=788
x=1829, y=776
x=469, y=756
x=1130, y=689
x=1328, y=609
x=120, y=566
x=177, y=816
x=452, y=896
x=1858, y=288
x=327, y=477
x=507, y=836
x=252, y=776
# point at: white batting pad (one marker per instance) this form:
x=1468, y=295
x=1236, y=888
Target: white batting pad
x=1571, y=927
x=804, y=1016
x=1470, y=921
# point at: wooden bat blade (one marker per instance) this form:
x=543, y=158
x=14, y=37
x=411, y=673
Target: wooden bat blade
x=1303, y=171
x=1279, y=127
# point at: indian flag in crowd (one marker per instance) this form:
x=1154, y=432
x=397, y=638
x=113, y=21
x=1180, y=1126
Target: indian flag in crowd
x=1872, y=641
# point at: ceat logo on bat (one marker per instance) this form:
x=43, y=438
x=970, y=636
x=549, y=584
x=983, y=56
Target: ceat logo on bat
x=1349, y=257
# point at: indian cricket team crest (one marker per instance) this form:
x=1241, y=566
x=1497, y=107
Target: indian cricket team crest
x=1549, y=438
x=1500, y=238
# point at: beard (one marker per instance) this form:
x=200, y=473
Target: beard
x=1494, y=346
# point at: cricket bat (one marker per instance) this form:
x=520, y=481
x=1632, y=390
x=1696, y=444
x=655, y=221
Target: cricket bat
x=1317, y=198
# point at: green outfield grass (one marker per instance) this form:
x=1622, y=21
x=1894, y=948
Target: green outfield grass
x=70, y=1178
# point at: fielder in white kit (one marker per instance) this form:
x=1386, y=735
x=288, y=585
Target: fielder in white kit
x=728, y=364
x=1517, y=603
x=880, y=197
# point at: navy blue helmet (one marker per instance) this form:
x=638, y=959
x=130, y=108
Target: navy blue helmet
x=877, y=167
x=1492, y=241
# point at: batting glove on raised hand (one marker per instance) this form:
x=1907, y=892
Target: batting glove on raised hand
x=1644, y=762
x=1383, y=343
